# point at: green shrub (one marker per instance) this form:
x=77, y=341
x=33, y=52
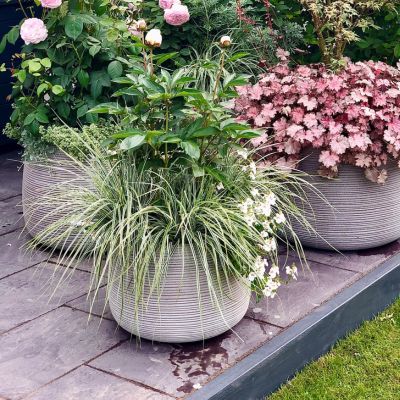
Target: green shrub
x=59, y=79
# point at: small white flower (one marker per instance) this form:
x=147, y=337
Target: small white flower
x=269, y=245
x=271, y=199
x=243, y=153
x=259, y=267
x=274, y=272
x=292, y=271
x=253, y=170
x=246, y=205
x=264, y=209
x=220, y=186
x=250, y=219
x=264, y=234
x=252, y=276
x=280, y=218
x=77, y=223
x=46, y=97
x=255, y=192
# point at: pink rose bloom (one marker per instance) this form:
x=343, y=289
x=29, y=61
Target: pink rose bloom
x=33, y=31
x=165, y=4
x=177, y=15
x=51, y=3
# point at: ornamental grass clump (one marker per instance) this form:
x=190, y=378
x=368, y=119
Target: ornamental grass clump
x=133, y=218
x=351, y=116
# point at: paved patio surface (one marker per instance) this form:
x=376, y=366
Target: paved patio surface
x=52, y=350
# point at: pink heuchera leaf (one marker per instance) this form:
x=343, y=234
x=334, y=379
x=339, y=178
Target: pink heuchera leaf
x=328, y=158
x=339, y=144
x=308, y=103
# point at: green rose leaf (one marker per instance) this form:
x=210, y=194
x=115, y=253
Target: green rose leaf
x=41, y=88
x=57, y=90
x=46, y=62
x=42, y=117
x=3, y=44
x=115, y=69
x=21, y=75
x=13, y=35
x=83, y=78
x=73, y=26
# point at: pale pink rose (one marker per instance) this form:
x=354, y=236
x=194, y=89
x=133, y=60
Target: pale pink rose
x=177, y=15
x=51, y=3
x=165, y=4
x=33, y=31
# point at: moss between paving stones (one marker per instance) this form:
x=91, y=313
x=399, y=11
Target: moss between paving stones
x=363, y=366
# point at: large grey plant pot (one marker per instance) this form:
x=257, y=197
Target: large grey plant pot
x=175, y=313
x=355, y=213
x=42, y=182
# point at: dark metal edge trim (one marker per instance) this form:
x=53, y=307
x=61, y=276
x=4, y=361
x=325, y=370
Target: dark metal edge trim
x=265, y=370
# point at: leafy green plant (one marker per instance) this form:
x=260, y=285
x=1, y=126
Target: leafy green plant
x=61, y=77
x=163, y=114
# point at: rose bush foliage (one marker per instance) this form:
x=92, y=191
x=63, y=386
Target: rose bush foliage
x=352, y=116
x=67, y=63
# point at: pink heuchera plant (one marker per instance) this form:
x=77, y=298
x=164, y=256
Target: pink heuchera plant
x=352, y=116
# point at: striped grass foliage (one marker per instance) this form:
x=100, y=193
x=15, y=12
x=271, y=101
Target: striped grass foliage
x=132, y=218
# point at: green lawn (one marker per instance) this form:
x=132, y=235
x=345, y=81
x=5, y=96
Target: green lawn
x=364, y=366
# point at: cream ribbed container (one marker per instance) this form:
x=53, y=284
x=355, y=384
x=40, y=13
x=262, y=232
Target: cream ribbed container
x=42, y=182
x=182, y=310
x=360, y=214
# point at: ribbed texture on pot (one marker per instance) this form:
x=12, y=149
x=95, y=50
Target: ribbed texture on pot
x=360, y=214
x=182, y=310
x=42, y=181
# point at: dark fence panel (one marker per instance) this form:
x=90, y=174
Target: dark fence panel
x=10, y=15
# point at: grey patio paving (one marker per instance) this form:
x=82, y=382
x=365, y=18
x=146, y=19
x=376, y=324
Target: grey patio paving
x=52, y=350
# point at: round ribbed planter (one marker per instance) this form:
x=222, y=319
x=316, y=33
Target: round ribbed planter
x=356, y=213
x=42, y=181
x=182, y=310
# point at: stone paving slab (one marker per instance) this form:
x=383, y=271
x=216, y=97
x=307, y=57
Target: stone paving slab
x=50, y=346
x=298, y=298
x=85, y=265
x=10, y=175
x=176, y=369
x=10, y=215
x=90, y=384
x=29, y=293
x=14, y=255
x=94, y=306
x=357, y=261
